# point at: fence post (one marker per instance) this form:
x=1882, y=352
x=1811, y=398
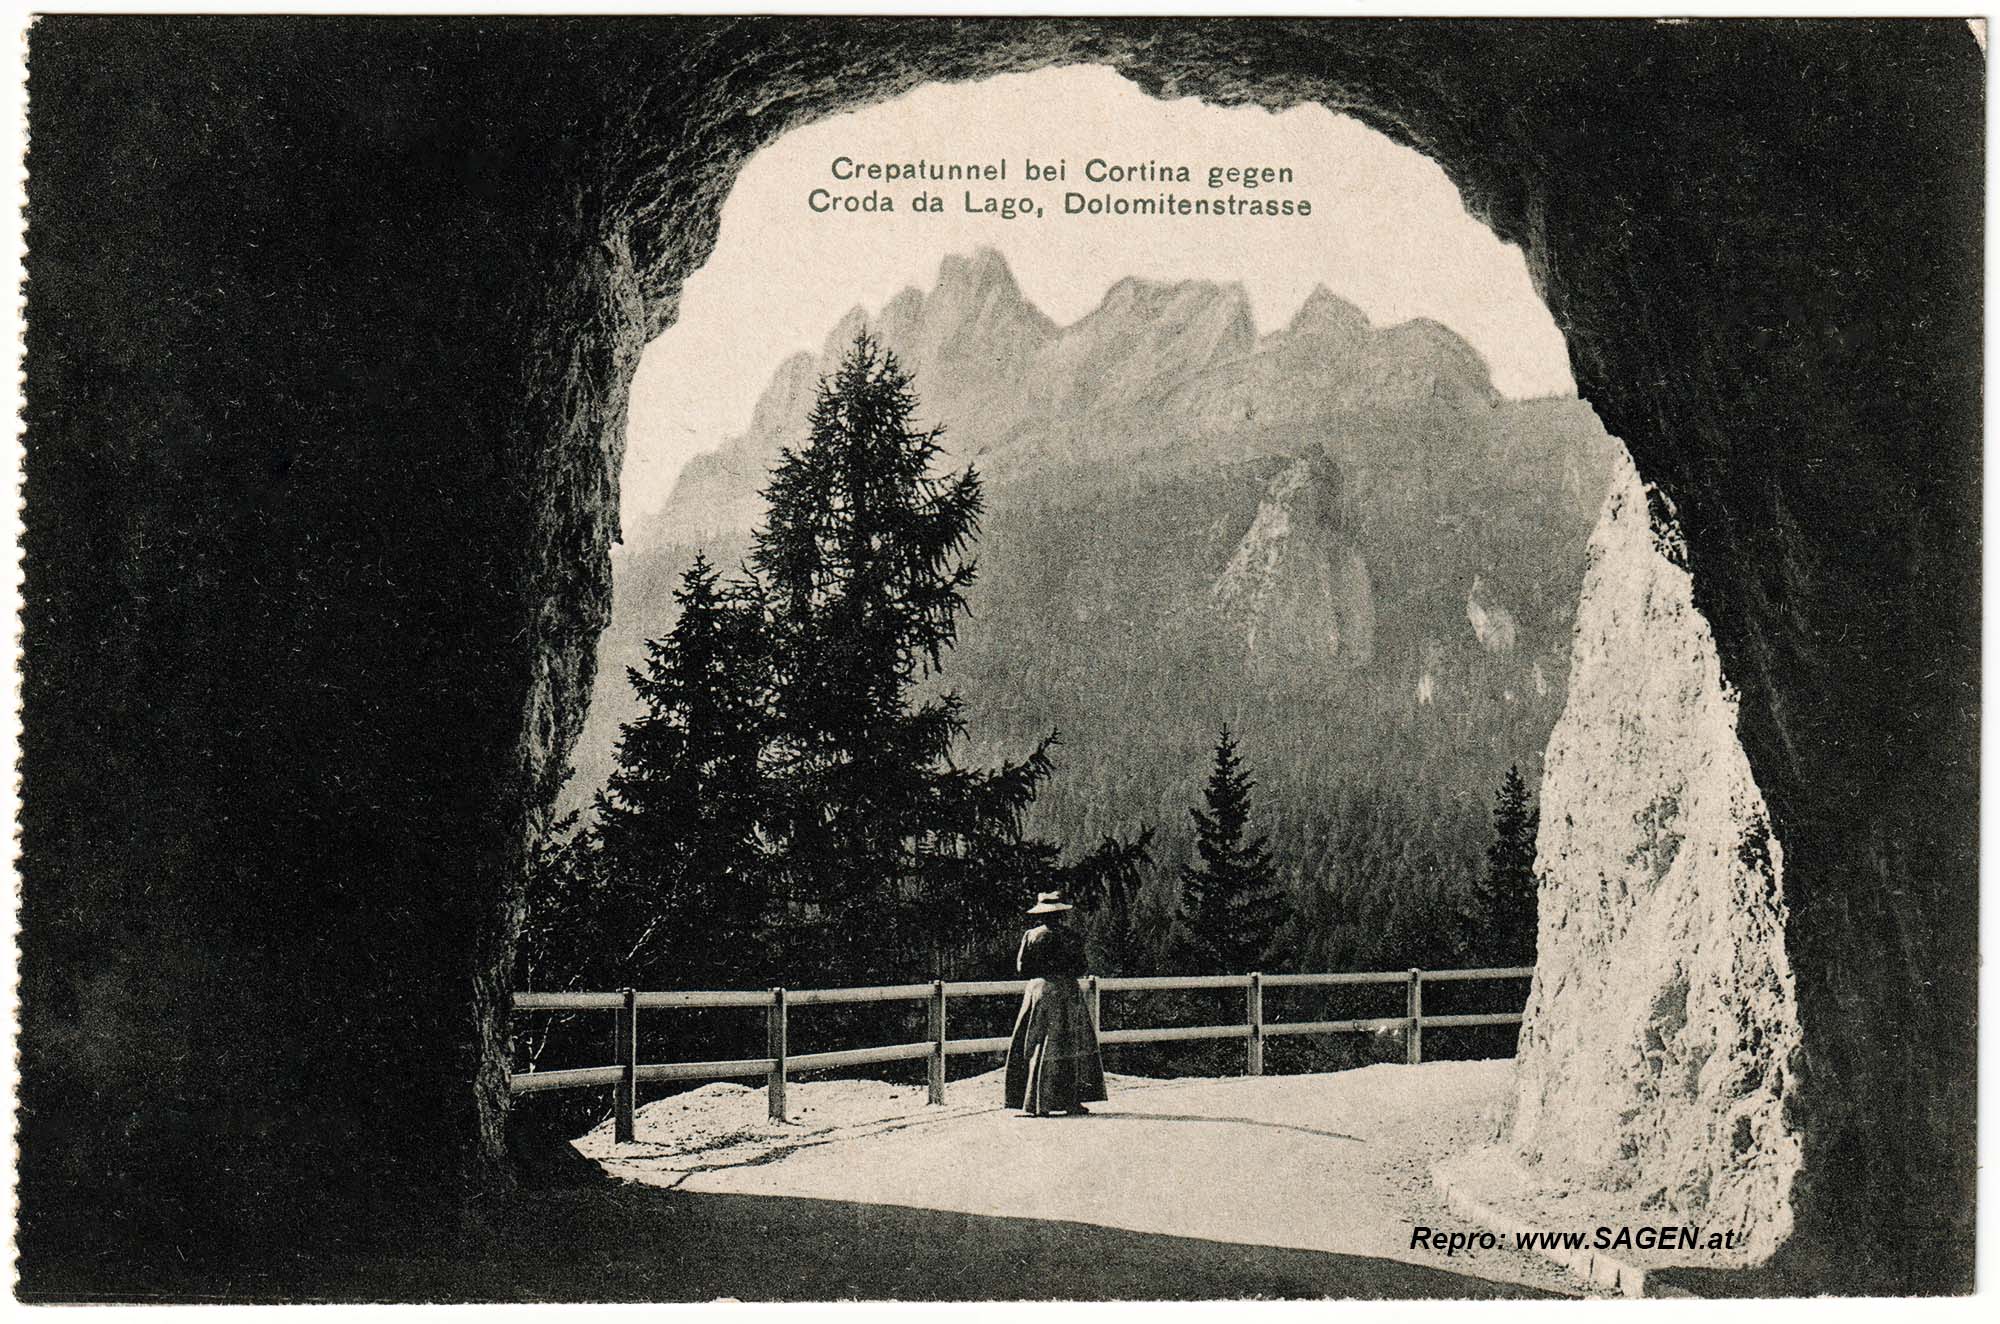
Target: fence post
x=1413, y=1037
x=1095, y=1023
x=628, y=1059
x=1253, y=1012
x=937, y=1041
x=774, y=1040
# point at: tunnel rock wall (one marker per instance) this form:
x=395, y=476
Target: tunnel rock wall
x=328, y=353
x=329, y=331
x=1658, y=1058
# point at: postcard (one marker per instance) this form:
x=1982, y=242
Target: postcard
x=1020, y=659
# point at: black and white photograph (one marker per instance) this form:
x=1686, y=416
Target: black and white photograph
x=804, y=658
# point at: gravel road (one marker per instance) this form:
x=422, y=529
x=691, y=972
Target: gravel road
x=1336, y=1164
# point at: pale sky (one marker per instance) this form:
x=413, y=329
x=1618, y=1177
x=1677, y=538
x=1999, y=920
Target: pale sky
x=1388, y=232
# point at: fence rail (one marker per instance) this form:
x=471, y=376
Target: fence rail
x=777, y=1063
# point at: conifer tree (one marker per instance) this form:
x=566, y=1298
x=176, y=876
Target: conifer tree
x=563, y=939
x=679, y=821
x=1232, y=905
x=890, y=854
x=1106, y=884
x=1500, y=916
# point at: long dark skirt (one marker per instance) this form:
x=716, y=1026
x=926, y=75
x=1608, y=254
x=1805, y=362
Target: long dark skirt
x=1053, y=1063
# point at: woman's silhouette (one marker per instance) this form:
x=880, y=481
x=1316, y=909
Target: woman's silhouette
x=1053, y=1064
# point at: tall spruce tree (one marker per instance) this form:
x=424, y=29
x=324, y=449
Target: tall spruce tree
x=1232, y=905
x=891, y=857
x=679, y=823
x=1500, y=916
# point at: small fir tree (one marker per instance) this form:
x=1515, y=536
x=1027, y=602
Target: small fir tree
x=1501, y=914
x=1232, y=905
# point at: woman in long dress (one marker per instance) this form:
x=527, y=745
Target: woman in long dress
x=1053, y=1063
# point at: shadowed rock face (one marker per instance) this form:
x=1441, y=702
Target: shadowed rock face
x=330, y=333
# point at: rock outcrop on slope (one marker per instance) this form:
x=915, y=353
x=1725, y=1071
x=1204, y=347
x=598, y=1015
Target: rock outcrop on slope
x=1297, y=590
x=1659, y=1051
x=1492, y=624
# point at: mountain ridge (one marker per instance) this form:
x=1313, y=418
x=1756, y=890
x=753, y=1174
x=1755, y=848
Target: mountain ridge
x=1013, y=387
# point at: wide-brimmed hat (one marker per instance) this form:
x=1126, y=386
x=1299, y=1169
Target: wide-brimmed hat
x=1049, y=903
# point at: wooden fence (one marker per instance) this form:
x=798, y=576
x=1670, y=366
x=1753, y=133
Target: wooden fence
x=777, y=1003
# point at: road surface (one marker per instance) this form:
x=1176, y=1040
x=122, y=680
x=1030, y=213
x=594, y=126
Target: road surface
x=1336, y=1165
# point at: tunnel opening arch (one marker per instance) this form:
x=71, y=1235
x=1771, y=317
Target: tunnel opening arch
x=1457, y=734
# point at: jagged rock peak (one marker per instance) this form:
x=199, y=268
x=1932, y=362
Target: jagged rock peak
x=1324, y=313
x=1161, y=326
x=909, y=302
x=789, y=392
x=975, y=305
x=852, y=324
x=982, y=271
x=1137, y=295
x=1421, y=339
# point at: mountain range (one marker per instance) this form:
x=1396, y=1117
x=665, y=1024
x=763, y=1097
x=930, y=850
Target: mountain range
x=1335, y=537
